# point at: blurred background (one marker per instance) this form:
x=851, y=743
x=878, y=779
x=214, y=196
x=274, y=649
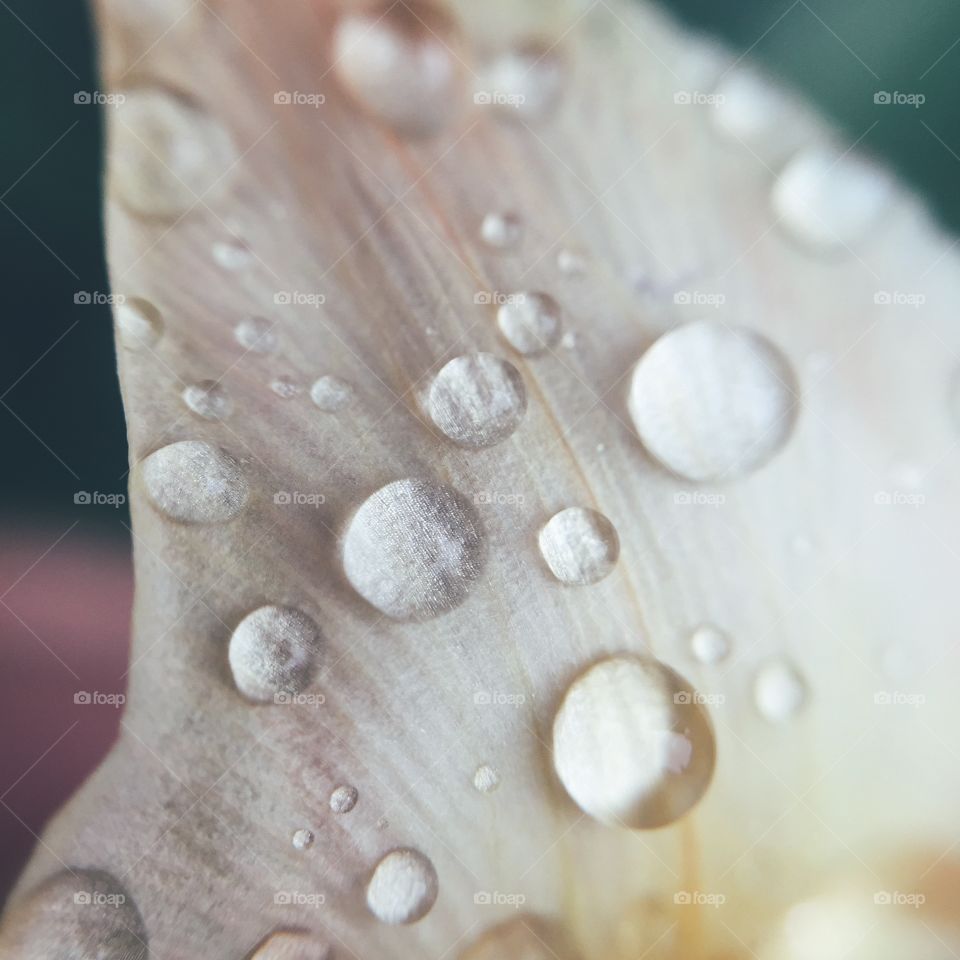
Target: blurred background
x=65, y=584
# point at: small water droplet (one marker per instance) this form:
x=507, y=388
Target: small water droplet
x=168, y=153
x=139, y=323
x=292, y=945
x=413, y=549
x=331, y=394
x=343, y=799
x=779, y=691
x=302, y=839
x=580, y=546
x=524, y=82
x=232, y=254
x=403, y=887
x=749, y=108
x=530, y=322
x=571, y=263
x=477, y=400
x=256, y=334
x=709, y=644
x=569, y=340
x=273, y=653
x=400, y=62
x=632, y=743
x=208, y=399
x=830, y=200
x=486, y=779
x=194, y=482
x=711, y=402
x=501, y=230
x=285, y=387
x=383, y=823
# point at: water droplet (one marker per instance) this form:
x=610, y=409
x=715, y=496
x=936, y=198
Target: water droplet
x=208, y=399
x=477, y=400
x=343, y=799
x=139, y=323
x=302, y=839
x=331, y=394
x=579, y=545
x=403, y=887
x=285, y=387
x=829, y=200
x=779, y=691
x=256, y=334
x=501, y=230
x=750, y=108
x=524, y=82
x=399, y=61
x=486, y=779
x=709, y=643
x=273, y=653
x=632, y=744
x=194, y=482
x=530, y=322
x=292, y=945
x=571, y=263
x=383, y=823
x=168, y=153
x=413, y=549
x=710, y=402
x=80, y=914
x=569, y=340
x=232, y=254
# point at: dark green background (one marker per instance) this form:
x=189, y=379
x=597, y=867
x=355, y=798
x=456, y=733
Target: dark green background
x=68, y=401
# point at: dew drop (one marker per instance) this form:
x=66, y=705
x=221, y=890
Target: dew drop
x=80, y=915
x=486, y=779
x=477, y=400
x=403, y=887
x=285, y=387
x=580, y=546
x=343, y=799
x=331, y=394
x=501, y=230
x=273, y=653
x=195, y=482
x=302, y=839
x=750, y=108
x=256, y=334
x=524, y=82
x=829, y=200
x=168, y=153
x=569, y=340
x=779, y=691
x=139, y=323
x=710, y=402
x=413, y=549
x=571, y=263
x=632, y=744
x=232, y=254
x=208, y=399
x=709, y=644
x=292, y=945
x=398, y=61
x=383, y=823
x=530, y=322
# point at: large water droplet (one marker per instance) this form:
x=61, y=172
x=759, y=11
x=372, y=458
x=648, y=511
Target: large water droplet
x=77, y=915
x=208, y=399
x=399, y=61
x=530, y=322
x=829, y=200
x=331, y=394
x=194, y=482
x=292, y=945
x=139, y=323
x=273, y=652
x=501, y=230
x=343, y=799
x=709, y=644
x=779, y=691
x=524, y=82
x=167, y=154
x=403, y=887
x=256, y=334
x=477, y=400
x=579, y=545
x=413, y=549
x=485, y=778
x=632, y=744
x=711, y=402
x=302, y=839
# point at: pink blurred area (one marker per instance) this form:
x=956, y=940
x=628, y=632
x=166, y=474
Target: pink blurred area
x=65, y=599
